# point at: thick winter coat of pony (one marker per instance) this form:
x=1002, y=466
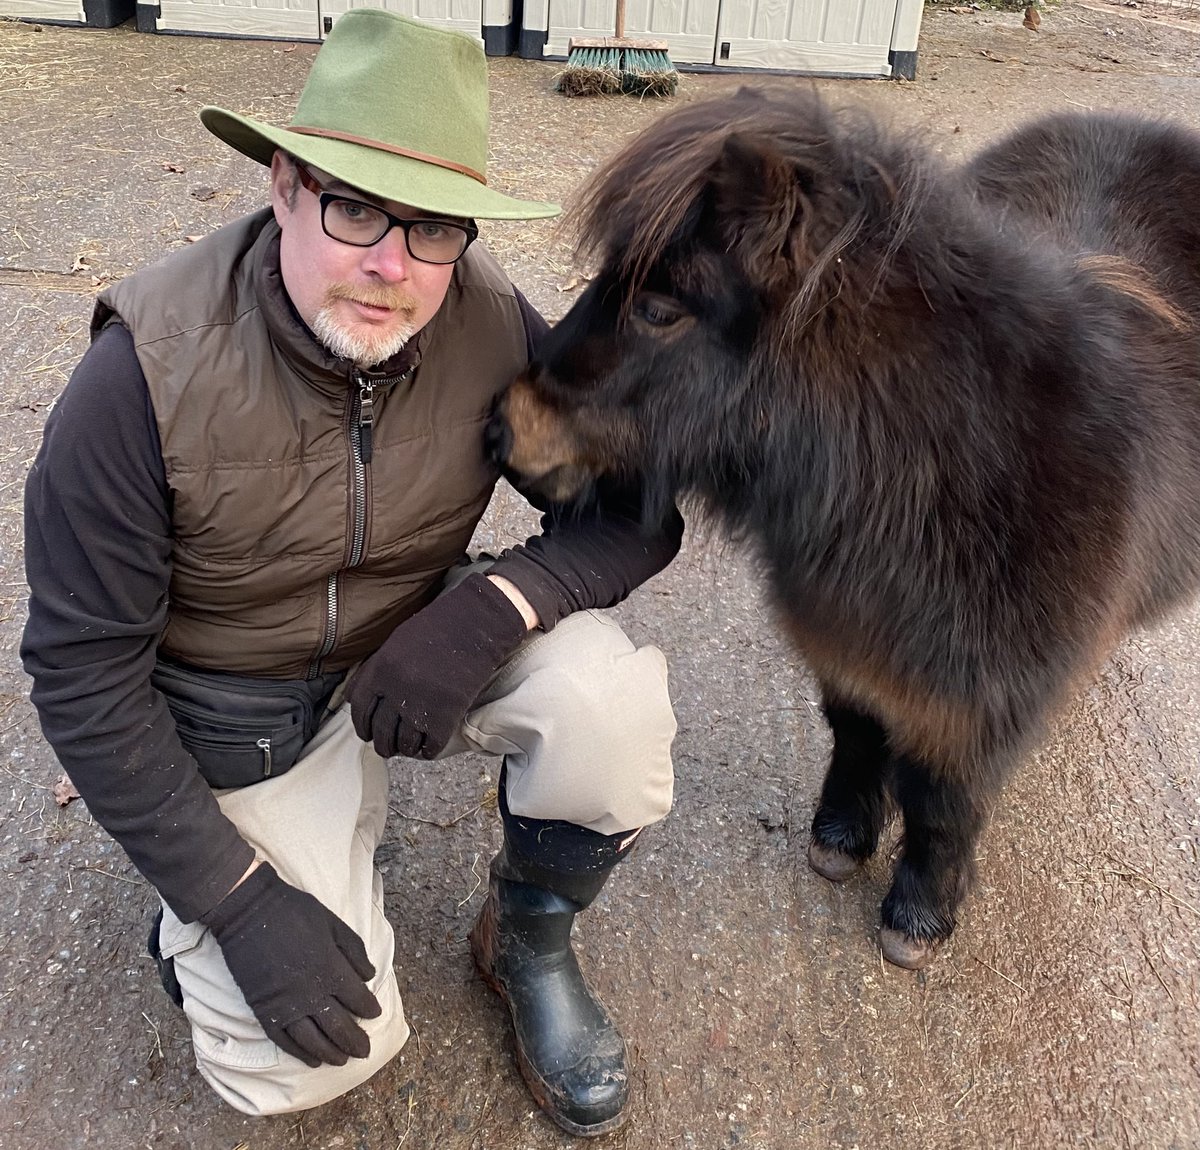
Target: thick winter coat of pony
x=955, y=410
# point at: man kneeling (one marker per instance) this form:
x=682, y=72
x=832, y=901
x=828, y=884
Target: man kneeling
x=245, y=533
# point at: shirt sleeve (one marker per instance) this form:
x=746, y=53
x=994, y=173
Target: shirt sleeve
x=591, y=556
x=98, y=564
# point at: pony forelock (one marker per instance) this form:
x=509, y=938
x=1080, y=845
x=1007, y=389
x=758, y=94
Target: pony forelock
x=650, y=195
x=639, y=202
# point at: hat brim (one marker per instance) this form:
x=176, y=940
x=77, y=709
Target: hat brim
x=375, y=171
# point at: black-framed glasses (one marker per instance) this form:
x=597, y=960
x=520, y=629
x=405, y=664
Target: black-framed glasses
x=363, y=225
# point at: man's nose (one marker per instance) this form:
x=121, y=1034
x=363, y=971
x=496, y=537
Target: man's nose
x=389, y=258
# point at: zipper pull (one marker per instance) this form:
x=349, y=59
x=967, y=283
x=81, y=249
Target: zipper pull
x=366, y=419
x=264, y=745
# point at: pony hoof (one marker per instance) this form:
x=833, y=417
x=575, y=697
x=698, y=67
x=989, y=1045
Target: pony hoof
x=835, y=865
x=901, y=950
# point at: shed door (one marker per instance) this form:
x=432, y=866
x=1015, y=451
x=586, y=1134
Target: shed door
x=304, y=19
x=846, y=37
x=688, y=26
x=462, y=15
x=45, y=10
x=276, y=19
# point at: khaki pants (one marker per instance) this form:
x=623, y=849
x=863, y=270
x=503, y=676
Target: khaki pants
x=586, y=724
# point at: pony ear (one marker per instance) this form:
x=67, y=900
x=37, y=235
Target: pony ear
x=754, y=200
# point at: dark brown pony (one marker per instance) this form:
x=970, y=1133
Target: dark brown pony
x=956, y=412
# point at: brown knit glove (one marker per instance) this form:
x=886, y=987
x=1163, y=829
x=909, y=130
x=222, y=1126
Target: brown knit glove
x=411, y=696
x=302, y=970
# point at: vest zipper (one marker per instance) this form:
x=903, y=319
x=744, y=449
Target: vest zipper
x=362, y=425
x=366, y=417
x=331, y=622
x=362, y=421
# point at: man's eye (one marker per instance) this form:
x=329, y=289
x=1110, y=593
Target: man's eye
x=352, y=212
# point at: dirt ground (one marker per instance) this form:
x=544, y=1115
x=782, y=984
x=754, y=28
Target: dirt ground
x=1064, y=1013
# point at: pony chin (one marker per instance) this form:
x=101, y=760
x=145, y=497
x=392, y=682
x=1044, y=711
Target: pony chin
x=568, y=483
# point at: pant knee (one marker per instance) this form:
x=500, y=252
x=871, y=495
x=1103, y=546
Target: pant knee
x=618, y=692
x=255, y=1077
x=595, y=747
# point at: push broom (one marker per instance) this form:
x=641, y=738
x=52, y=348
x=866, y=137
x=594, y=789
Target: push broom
x=610, y=64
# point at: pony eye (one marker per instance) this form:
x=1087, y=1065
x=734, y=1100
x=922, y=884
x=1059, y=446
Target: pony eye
x=657, y=310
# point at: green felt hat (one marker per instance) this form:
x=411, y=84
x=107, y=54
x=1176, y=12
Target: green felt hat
x=395, y=108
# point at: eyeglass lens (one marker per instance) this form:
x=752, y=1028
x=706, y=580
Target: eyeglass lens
x=353, y=222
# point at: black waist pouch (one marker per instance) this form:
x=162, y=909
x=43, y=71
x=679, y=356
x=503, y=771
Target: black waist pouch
x=241, y=730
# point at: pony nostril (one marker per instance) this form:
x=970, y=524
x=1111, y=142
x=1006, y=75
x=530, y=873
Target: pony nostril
x=497, y=439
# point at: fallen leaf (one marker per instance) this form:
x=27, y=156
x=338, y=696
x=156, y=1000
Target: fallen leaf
x=192, y=239
x=180, y=88
x=80, y=264
x=291, y=47
x=64, y=791
x=172, y=167
x=28, y=856
x=570, y=285
x=202, y=193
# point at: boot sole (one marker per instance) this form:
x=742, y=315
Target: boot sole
x=536, y=1084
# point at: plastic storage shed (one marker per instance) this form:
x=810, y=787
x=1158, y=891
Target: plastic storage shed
x=89, y=13
x=493, y=21
x=811, y=37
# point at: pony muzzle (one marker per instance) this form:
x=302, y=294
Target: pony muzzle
x=528, y=437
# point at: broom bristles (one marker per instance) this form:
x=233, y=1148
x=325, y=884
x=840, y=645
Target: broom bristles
x=606, y=71
x=646, y=72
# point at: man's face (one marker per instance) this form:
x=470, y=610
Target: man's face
x=364, y=304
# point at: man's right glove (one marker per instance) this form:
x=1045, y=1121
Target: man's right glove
x=413, y=694
x=302, y=970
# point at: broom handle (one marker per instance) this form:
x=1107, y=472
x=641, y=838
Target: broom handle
x=620, y=22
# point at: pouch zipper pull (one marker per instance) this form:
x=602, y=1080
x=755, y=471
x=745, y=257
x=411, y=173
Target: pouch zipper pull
x=366, y=419
x=264, y=745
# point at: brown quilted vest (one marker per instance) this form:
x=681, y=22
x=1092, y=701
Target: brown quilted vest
x=291, y=553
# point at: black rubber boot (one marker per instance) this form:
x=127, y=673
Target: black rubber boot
x=166, y=966
x=570, y=1054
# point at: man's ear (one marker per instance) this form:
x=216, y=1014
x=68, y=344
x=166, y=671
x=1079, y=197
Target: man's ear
x=754, y=202
x=284, y=184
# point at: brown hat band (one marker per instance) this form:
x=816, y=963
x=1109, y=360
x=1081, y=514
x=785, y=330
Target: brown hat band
x=380, y=146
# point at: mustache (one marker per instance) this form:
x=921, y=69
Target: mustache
x=374, y=295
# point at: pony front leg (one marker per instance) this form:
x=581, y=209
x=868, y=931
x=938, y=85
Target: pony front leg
x=943, y=819
x=854, y=804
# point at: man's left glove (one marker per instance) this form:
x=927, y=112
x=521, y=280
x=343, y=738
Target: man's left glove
x=411, y=695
